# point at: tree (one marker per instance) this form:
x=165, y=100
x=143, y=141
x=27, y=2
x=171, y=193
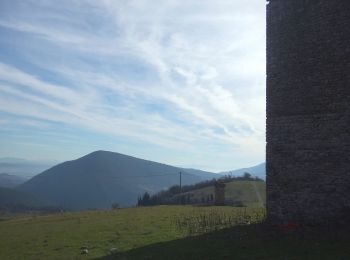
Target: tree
x=146, y=199
x=115, y=205
x=247, y=176
x=139, y=201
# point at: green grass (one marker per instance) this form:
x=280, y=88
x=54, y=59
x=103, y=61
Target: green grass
x=61, y=236
x=166, y=232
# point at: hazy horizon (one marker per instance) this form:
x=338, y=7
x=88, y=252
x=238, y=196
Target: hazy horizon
x=51, y=163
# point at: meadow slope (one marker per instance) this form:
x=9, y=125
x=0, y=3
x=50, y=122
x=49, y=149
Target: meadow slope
x=61, y=236
x=154, y=233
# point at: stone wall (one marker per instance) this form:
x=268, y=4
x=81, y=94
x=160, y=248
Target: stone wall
x=308, y=110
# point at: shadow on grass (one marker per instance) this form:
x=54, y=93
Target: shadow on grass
x=259, y=241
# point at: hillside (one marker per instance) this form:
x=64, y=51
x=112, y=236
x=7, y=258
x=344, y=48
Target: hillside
x=11, y=180
x=243, y=193
x=101, y=178
x=61, y=236
x=17, y=201
x=152, y=233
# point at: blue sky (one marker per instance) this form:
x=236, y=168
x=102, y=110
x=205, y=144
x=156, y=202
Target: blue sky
x=179, y=82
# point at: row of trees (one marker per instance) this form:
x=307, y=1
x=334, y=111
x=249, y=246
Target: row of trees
x=185, y=199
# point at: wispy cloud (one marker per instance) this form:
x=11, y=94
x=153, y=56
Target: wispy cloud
x=186, y=76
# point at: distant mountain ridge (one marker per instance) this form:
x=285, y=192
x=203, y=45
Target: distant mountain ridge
x=257, y=170
x=101, y=178
x=10, y=180
x=22, y=167
x=203, y=174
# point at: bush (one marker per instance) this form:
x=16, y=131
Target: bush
x=115, y=206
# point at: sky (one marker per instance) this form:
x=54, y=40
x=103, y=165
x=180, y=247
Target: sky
x=177, y=82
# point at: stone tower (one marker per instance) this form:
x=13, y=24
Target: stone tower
x=220, y=193
x=308, y=110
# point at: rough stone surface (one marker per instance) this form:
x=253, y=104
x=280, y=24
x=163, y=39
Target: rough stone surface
x=308, y=110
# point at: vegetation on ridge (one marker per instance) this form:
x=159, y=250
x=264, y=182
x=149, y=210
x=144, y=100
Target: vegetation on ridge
x=240, y=191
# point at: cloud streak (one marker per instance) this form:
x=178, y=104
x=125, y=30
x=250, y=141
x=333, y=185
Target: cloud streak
x=183, y=76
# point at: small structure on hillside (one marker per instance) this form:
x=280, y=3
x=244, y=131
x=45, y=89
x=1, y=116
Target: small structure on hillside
x=219, y=193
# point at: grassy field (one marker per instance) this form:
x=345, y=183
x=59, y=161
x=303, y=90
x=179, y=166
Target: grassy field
x=166, y=232
x=61, y=236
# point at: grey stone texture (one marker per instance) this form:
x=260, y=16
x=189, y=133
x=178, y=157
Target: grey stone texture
x=308, y=110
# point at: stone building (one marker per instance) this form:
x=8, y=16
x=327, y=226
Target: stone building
x=308, y=110
x=220, y=193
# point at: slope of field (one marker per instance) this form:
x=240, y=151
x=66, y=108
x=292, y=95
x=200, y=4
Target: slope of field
x=150, y=233
x=249, y=193
x=61, y=236
x=101, y=178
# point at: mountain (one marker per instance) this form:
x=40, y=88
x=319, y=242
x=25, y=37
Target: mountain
x=10, y=180
x=101, y=178
x=202, y=174
x=23, y=168
x=257, y=170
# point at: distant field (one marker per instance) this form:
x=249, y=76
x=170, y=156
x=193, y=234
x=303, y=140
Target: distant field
x=243, y=191
x=61, y=236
